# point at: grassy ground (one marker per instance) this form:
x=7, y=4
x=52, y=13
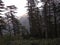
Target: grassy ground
x=31, y=41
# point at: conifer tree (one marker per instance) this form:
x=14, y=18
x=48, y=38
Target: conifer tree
x=2, y=23
x=15, y=22
x=34, y=18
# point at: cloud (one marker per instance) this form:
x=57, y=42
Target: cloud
x=20, y=5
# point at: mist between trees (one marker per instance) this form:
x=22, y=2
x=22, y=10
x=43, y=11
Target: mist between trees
x=9, y=23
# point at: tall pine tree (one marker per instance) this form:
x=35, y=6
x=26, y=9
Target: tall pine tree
x=34, y=18
x=2, y=23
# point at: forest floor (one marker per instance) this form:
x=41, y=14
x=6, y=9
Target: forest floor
x=31, y=41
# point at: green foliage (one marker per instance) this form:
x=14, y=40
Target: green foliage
x=7, y=40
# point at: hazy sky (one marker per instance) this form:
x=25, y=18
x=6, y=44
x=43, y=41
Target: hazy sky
x=20, y=4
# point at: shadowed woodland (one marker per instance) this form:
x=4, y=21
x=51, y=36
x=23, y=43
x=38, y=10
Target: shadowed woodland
x=44, y=22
